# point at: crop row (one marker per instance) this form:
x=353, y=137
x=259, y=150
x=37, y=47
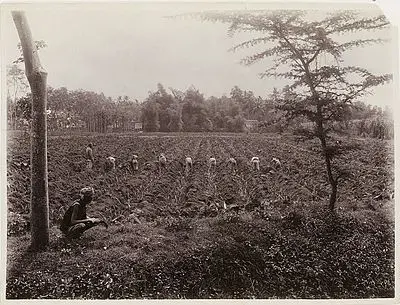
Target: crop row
x=148, y=193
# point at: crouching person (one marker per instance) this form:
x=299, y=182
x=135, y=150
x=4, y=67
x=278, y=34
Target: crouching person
x=255, y=163
x=134, y=163
x=162, y=163
x=232, y=164
x=75, y=220
x=277, y=163
x=188, y=164
x=110, y=164
x=212, y=163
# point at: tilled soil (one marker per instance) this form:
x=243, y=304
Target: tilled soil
x=150, y=193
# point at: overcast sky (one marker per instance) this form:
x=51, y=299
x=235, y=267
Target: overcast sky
x=126, y=49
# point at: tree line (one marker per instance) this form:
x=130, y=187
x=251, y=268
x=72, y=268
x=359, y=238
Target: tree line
x=78, y=110
x=190, y=111
x=173, y=110
x=163, y=110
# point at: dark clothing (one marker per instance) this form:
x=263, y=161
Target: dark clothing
x=66, y=221
x=76, y=230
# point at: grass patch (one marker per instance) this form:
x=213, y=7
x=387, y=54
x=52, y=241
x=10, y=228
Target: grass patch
x=234, y=255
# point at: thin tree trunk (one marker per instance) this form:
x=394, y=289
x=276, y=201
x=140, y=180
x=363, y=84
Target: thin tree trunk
x=332, y=181
x=37, y=78
x=321, y=135
x=332, y=199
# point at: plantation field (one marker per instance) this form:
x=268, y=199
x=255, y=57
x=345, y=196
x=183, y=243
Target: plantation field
x=174, y=234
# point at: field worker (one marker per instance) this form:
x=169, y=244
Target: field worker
x=212, y=163
x=89, y=155
x=134, y=163
x=276, y=162
x=232, y=163
x=188, y=163
x=255, y=163
x=110, y=163
x=162, y=160
x=75, y=220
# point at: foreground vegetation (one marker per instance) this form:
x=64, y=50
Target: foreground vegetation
x=230, y=256
x=170, y=236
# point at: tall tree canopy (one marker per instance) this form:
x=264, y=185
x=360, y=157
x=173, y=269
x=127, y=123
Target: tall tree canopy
x=321, y=92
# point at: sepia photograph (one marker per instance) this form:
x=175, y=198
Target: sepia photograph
x=198, y=150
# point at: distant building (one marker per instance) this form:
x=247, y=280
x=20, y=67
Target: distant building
x=138, y=126
x=250, y=124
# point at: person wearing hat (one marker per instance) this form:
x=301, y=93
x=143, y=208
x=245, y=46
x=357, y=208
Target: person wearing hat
x=75, y=220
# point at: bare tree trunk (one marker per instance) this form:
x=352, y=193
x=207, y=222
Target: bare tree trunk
x=37, y=78
x=332, y=198
x=332, y=181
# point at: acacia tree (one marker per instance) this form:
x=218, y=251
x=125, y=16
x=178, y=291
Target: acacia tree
x=325, y=91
